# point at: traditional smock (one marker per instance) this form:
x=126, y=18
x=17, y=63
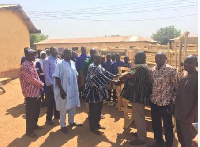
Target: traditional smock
x=67, y=73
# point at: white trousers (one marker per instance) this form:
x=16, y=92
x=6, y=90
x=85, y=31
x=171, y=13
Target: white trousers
x=71, y=113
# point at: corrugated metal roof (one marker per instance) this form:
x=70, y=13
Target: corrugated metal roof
x=97, y=40
x=18, y=10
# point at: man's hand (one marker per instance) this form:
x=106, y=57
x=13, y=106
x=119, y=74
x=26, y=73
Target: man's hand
x=62, y=93
x=116, y=82
x=117, y=75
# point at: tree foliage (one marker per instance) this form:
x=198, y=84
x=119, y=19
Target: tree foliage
x=34, y=38
x=164, y=34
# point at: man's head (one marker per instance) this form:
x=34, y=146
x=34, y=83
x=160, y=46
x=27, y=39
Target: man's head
x=25, y=49
x=113, y=57
x=160, y=59
x=31, y=54
x=103, y=59
x=53, y=51
x=38, y=53
x=73, y=54
x=48, y=52
x=117, y=57
x=97, y=59
x=190, y=63
x=140, y=58
x=67, y=53
x=83, y=50
x=92, y=52
x=126, y=59
x=42, y=55
x=108, y=57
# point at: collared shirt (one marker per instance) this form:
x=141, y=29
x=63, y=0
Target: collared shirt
x=115, y=66
x=86, y=65
x=107, y=66
x=30, y=82
x=165, y=81
x=96, y=87
x=187, y=96
x=138, y=88
x=49, y=66
x=80, y=61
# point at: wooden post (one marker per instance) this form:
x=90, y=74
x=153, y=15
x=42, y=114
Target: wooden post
x=185, y=43
x=175, y=53
x=180, y=55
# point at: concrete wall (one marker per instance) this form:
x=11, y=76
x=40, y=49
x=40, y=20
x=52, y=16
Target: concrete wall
x=14, y=37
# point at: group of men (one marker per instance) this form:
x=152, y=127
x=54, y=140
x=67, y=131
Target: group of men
x=159, y=87
x=167, y=94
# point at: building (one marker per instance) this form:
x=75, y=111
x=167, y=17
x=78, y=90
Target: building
x=103, y=44
x=15, y=28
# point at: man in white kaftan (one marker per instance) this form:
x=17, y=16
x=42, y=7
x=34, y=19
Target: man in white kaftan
x=66, y=89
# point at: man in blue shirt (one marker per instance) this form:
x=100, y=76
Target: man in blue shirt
x=49, y=66
x=126, y=62
x=79, y=66
x=108, y=66
x=81, y=59
x=115, y=71
x=24, y=58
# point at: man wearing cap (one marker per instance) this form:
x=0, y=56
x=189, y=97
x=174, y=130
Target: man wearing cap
x=31, y=86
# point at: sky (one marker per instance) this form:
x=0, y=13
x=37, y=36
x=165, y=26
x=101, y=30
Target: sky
x=89, y=18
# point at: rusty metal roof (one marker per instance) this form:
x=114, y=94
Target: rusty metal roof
x=97, y=40
x=19, y=11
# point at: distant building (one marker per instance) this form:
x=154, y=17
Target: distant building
x=15, y=28
x=103, y=44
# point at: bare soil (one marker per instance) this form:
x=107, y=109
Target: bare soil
x=12, y=126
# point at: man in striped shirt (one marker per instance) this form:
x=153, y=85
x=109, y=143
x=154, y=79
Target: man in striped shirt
x=31, y=86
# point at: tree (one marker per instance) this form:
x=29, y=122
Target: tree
x=34, y=38
x=164, y=34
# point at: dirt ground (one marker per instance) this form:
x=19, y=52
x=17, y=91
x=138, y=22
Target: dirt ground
x=12, y=126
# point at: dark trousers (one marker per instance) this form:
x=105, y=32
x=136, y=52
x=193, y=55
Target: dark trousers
x=109, y=95
x=95, y=115
x=159, y=113
x=32, y=113
x=51, y=106
x=114, y=95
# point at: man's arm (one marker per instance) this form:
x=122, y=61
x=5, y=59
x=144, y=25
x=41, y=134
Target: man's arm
x=125, y=76
x=46, y=66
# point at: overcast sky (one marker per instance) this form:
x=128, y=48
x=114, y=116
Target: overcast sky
x=89, y=18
